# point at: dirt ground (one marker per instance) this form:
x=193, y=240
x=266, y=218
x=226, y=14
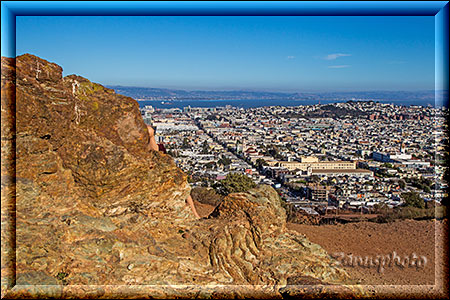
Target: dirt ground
x=407, y=238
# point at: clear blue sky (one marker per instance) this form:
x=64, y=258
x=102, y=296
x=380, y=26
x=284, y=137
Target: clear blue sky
x=260, y=53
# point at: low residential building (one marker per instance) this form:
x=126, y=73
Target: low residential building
x=304, y=165
x=317, y=192
x=341, y=172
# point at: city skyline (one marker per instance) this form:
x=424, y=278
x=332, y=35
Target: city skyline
x=291, y=54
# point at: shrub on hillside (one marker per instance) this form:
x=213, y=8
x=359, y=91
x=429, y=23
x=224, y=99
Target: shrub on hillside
x=406, y=212
x=413, y=199
x=234, y=183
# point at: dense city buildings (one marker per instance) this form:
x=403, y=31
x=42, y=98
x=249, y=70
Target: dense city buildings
x=344, y=154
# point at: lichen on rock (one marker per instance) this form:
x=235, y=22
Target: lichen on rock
x=94, y=203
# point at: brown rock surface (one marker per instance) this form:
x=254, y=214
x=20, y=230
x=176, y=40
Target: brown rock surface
x=94, y=206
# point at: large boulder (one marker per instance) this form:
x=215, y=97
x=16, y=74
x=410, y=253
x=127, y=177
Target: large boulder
x=95, y=206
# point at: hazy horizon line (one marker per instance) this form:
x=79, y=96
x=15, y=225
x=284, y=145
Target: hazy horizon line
x=267, y=90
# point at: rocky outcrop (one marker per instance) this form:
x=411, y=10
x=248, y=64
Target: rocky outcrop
x=95, y=206
x=252, y=235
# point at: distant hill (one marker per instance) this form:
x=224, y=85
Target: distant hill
x=143, y=93
x=146, y=93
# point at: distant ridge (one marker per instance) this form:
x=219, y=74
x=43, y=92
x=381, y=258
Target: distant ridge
x=145, y=93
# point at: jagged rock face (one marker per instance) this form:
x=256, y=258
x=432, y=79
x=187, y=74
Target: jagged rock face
x=96, y=206
x=72, y=125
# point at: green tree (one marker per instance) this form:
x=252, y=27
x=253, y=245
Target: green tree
x=205, y=148
x=234, y=183
x=224, y=161
x=300, y=181
x=274, y=151
x=413, y=199
x=314, y=179
x=210, y=165
x=185, y=144
x=381, y=208
x=387, y=165
x=261, y=162
x=212, y=117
